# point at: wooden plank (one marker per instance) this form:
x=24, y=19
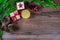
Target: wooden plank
x=8, y=36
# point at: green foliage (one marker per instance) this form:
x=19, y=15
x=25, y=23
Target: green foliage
x=46, y=3
x=5, y=8
x=28, y=0
x=1, y=33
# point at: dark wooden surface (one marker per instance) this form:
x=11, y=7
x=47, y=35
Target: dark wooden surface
x=43, y=25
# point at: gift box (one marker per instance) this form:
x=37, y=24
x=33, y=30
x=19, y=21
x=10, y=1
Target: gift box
x=20, y=6
x=15, y=16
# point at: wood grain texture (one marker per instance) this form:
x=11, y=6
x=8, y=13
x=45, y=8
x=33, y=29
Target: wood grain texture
x=43, y=25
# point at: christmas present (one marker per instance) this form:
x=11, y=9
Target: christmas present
x=20, y=6
x=15, y=16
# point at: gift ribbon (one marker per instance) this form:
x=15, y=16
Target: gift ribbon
x=14, y=17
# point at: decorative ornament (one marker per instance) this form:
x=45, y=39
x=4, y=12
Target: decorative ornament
x=20, y=6
x=25, y=14
x=33, y=7
x=15, y=15
x=10, y=27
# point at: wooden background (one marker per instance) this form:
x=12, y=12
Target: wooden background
x=43, y=25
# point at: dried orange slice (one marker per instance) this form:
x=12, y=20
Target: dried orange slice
x=25, y=14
